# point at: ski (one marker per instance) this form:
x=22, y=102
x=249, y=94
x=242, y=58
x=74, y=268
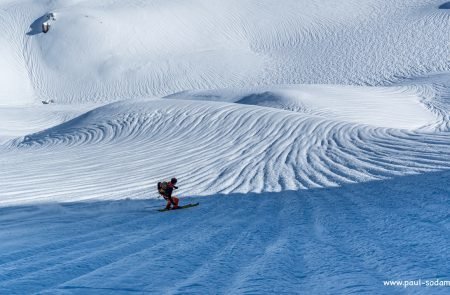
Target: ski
x=180, y=207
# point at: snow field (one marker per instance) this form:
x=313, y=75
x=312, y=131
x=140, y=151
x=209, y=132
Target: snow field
x=320, y=240
x=318, y=130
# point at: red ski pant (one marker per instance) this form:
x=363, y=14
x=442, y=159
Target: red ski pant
x=175, y=201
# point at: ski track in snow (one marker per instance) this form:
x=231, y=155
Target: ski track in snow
x=326, y=187
x=320, y=240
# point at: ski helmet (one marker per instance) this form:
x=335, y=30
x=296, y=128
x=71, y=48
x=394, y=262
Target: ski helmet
x=173, y=180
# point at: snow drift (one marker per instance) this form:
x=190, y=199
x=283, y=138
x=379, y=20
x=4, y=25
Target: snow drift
x=321, y=129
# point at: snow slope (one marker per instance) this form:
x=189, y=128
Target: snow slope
x=105, y=50
x=22, y=120
x=342, y=240
x=318, y=130
x=219, y=147
x=395, y=107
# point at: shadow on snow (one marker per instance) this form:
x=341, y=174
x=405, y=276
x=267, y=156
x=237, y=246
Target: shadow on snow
x=36, y=26
x=344, y=239
x=446, y=5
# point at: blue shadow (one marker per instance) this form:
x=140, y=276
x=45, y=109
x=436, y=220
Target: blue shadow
x=341, y=240
x=445, y=6
x=36, y=26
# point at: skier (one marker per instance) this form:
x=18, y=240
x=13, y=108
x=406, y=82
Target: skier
x=165, y=189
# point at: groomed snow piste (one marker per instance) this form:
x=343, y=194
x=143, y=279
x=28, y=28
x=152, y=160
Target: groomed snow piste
x=315, y=135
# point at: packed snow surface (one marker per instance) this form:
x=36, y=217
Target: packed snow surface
x=314, y=134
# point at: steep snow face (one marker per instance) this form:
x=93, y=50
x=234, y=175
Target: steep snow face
x=122, y=149
x=108, y=50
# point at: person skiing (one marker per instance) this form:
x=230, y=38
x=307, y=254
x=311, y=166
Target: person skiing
x=165, y=189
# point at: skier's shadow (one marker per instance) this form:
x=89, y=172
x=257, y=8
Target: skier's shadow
x=36, y=26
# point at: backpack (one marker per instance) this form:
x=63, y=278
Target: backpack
x=162, y=186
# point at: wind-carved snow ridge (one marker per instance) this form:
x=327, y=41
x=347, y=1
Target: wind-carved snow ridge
x=395, y=107
x=215, y=147
x=434, y=89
